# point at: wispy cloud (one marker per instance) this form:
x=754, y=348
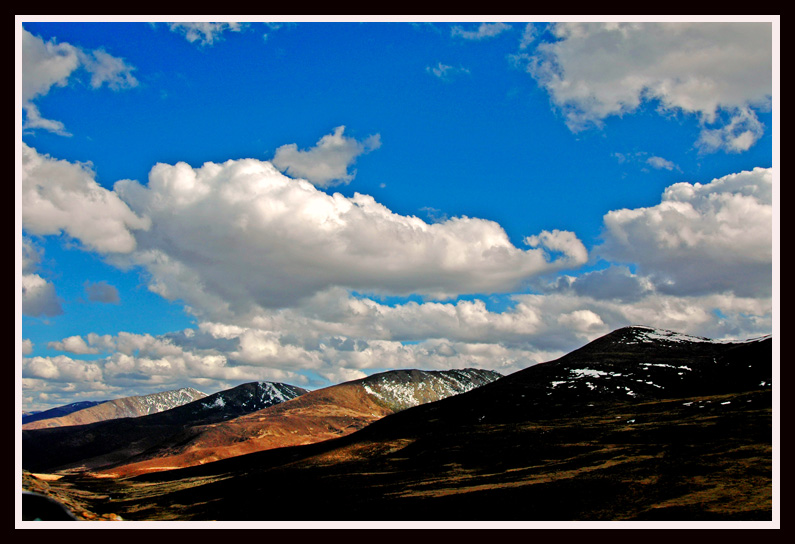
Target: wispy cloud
x=483, y=31
x=205, y=33
x=445, y=71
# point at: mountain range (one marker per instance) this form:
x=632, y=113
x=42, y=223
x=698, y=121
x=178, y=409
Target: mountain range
x=136, y=406
x=641, y=424
x=251, y=417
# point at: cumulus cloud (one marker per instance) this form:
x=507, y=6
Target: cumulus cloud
x=564, y=243
x=38, y=295
x=61, y=369
x=73, y=344
x=59, y=196
x=136, y=364
x=205, y=33
x=228, y=238
x=102, y=291
x=483, y=31
x=612, y=283
x=327, y=163
x=701, y=238
x=716, y=71
x=49, y=64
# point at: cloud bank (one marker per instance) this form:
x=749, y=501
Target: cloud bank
x=280, y=273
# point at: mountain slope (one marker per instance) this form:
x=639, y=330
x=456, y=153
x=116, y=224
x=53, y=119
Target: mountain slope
x=58, y=411
x=618, y=429
x=107, y=442
x=314, y=417
x=121, y=408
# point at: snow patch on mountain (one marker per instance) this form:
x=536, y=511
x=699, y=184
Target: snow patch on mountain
x=647, y=335
x=160, y=402
x=405, y=389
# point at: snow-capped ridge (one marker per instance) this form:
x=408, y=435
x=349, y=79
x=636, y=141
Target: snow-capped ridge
x=646, y=334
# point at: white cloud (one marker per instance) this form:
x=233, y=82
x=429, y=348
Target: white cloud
x=206, y=33
x=485, y=30
x=701, y=238
x=62, y=196
x=712, y=70
x=48, y=64
x=232, y=237
x=327, y=163
x=27, y=346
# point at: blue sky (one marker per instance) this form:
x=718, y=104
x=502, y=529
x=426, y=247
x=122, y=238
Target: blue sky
x=205, y=204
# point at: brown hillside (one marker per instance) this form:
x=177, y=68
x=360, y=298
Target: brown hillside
x=313, y=417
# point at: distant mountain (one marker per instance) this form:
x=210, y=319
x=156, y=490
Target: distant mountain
x=120, y=408
x=312, y=417
x=59, y=411
x=641, y=424
x=106, y=442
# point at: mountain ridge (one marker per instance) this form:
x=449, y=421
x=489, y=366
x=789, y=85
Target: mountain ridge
x=134, y=406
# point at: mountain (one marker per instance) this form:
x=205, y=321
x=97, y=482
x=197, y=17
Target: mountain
x=106, y=442
x=641, y=424
x=121, y=408
x=29, y=417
